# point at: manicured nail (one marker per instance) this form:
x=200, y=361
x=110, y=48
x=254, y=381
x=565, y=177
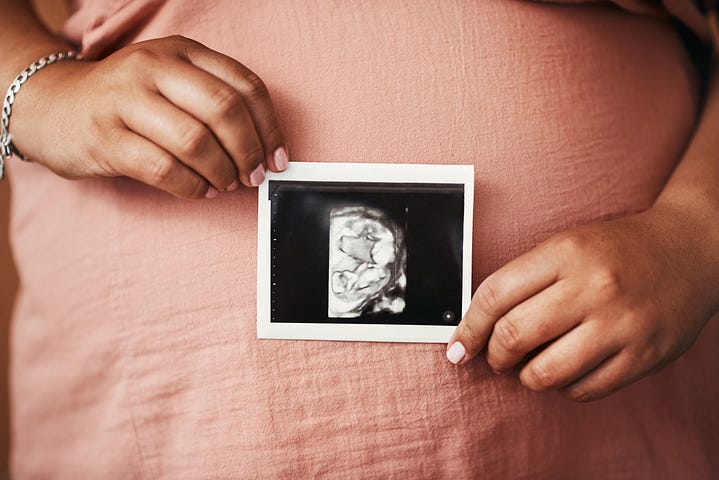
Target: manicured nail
x=456, y=353
x=233, y=186
x=281, y=159
x=257, y=176
x=211, y=193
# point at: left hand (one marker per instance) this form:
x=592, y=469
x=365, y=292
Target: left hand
x=597, y=307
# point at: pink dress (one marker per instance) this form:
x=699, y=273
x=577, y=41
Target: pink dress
x=134, y=349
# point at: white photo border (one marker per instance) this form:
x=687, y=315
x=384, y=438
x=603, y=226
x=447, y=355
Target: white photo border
x=360, y=173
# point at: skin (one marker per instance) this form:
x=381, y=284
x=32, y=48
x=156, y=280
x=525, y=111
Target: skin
x=597, y=307
x=180, y=117
x=587, y=312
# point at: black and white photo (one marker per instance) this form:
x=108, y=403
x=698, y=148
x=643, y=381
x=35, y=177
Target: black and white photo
x=364, y=251
x=367, y=258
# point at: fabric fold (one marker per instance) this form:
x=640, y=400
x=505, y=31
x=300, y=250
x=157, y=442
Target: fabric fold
x=99, y=27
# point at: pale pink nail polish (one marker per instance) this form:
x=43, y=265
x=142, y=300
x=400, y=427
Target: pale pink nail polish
x=211, y=193
x=281, y=159
x=456, y=353
x=233, y=186
x=257, y=176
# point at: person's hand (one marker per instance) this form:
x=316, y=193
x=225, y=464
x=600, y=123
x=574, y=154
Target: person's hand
x=170, y=113
x=597, y=307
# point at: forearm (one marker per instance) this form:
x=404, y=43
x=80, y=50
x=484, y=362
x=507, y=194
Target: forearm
x=23, y=39
x=694, y=185
x=691, y=196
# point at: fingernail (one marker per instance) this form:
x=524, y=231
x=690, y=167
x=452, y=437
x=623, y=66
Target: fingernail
x=211, y=193
x=233, y=186
x=456, y=353
x=258, y=175
x=281, y=159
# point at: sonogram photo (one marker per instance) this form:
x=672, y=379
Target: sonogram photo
x=367, y=258
x=366, y=252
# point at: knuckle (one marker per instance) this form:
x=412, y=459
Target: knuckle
x=570, y=244
x=652, y=353
x=469, y=335
x=580, y=395
x=182, y=44
x=225, y=101
x=539, y=377
x=140, y=58
x=633, y=319
x=507, y=335
x=198, y=189
x=274, y=134
x=487, y=297
x=161, y=169
x=590, y=393
x=96, y=125
x=544, y=330
x=99, y=153
x=254, y=158
x=254, y=86
x=94, y=150
x=606, y=282
x=194, y=140
x=634, y=329
x=181, y=39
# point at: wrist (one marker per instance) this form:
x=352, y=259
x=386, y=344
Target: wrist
x=689, y=231
x=31, y=103
x=695, y=209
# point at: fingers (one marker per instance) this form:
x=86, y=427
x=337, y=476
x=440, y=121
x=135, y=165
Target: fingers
x=202, y=108
x=141, y=159
x=532, y=323
x=500, y=292
x=222, y=109
x=190, y=141
x=617, y=372
x=567, y=359
x=256, y=96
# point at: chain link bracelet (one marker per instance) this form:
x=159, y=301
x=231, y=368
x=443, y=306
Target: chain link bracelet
x=7, y=148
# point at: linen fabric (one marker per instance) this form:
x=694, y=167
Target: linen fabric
x=134, y=349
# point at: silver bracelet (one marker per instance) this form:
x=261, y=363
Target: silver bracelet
x=7, y=148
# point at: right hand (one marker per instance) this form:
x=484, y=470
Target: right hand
x=171, y=113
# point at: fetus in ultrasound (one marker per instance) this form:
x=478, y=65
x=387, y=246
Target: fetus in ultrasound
x=366, y=264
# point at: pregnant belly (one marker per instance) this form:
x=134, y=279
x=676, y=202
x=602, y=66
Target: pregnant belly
x=569, y=113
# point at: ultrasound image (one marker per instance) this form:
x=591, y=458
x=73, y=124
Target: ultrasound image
x=367, y=257
x=366, y=253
